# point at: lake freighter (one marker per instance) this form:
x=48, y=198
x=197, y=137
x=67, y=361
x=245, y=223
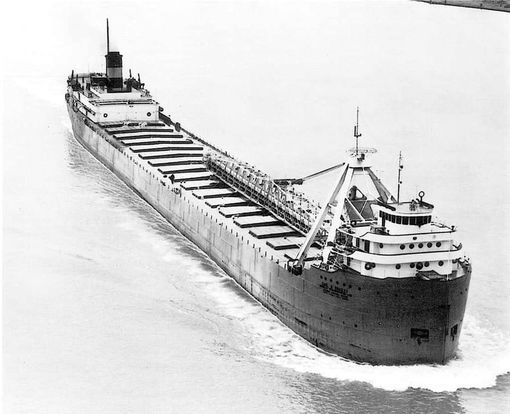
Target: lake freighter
x=365, y=276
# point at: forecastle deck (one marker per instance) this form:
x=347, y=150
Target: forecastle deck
x=358, y=317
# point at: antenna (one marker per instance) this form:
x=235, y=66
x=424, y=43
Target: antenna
x=400, y=168
x=356, y=130
x=107, y=37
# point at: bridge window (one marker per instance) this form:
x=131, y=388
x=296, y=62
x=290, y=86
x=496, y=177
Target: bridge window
x=399, y=220
x=405, y=220
x=367, y=246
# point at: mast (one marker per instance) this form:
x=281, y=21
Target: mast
x=400, y=168
x=107, y=37
x=356, y=130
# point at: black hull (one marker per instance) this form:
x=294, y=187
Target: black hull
x=377, y=320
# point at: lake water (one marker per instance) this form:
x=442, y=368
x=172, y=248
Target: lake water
x=106, y=308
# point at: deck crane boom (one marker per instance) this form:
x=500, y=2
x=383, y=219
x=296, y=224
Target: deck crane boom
x=339, y=187
x=297, y=181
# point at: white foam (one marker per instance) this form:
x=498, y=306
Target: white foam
x=483, y=353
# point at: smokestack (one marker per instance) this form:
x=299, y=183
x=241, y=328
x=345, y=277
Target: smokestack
x=113, y=66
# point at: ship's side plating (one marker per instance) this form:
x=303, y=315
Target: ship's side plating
x=390, y=320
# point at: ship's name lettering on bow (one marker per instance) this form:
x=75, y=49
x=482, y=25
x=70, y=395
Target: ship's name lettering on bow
x=335, y=291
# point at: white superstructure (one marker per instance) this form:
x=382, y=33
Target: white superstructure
x=100, y=105
x=375, y=235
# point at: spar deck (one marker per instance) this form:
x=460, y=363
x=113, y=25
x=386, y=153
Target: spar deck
x=214, y=193
x=240, y=211
x=256, y=221
x=177, y=158
x=168, y=161
x=267, y=232
x=195, y=185
x=229, y=201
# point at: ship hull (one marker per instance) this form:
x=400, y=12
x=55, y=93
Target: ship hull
x=379, y=321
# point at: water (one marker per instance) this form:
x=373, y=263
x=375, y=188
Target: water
x=106, y=308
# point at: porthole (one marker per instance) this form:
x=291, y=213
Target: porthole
x=397, y=266
x=381, y=245
x=412, y=265
x=419, y=266
x=438, y=244
x=411, y=246
x=426, y=264
x=420, y=245
x=105, y=115
x=402, y=247
x=149, y=114
x=440, y=263
x=429, y=244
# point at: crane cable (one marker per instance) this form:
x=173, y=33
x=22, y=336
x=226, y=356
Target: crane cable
x=293, y=181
